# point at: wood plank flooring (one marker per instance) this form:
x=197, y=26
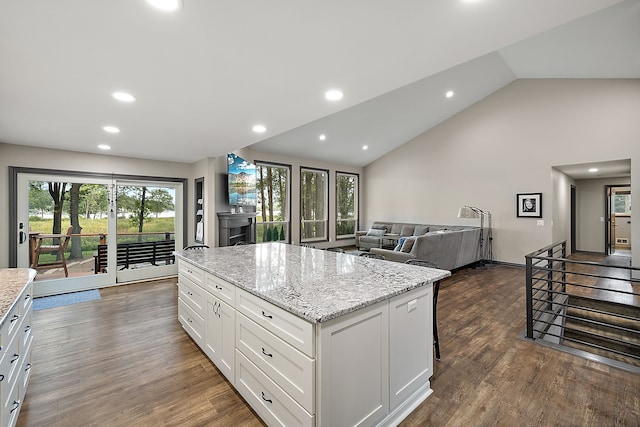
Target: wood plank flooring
x=124, y=360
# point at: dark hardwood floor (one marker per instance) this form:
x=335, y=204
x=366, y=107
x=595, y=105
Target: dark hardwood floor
x=124, y=360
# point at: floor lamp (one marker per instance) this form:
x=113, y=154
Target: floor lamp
x=474, y=212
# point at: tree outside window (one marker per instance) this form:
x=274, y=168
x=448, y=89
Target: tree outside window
x=347, y=204
x=272, y=218
x=314, y=197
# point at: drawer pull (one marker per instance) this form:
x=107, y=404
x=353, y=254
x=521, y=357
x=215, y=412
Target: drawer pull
x=27, y=296
x=265, y=353
x=27, y=328
x=219, y=287
x=189, y=293
x=268, y=316
x=189, y=271
x=15, y=357
x=1, y=378
x=265, y=399
x=16, y=405
x=27, y=367
x=14, y=318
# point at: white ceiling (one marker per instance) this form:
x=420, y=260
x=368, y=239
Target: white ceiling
x=203, y=76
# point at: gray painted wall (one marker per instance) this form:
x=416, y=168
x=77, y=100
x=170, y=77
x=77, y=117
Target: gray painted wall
x=506, y=144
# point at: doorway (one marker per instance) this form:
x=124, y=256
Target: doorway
x=103, y=213
x=618, y=220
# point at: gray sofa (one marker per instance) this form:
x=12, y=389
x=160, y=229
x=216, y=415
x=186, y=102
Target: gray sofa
x=449, y=246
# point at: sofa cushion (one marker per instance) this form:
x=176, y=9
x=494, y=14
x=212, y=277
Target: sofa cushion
x=396, y=228
x=376, y=232
x=420, y=230
x=407, y=245
x=399, y=245
x=407, y=230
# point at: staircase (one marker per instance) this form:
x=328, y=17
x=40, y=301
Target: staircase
x=608, y=329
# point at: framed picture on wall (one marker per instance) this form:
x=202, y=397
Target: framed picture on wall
x=529, y=205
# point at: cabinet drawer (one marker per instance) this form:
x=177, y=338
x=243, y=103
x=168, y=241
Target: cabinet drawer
x=221, y=288
x=291, y=328
x=195, y=274
x=192, y=294
x=10, y=405
x=292, y=370
x=191, y=322
x=273, y=405
x=27, y=297
x=11, y=326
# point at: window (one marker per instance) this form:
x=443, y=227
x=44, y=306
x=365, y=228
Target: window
x=346, y=204
x=314, y=195
x=622, y=204
x=272, y=217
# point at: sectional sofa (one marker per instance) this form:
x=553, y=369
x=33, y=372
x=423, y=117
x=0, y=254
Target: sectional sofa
x=449, y=246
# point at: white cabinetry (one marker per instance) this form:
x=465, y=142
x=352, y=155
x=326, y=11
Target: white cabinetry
x=219, y=343
x=15, y=356
x=370, y=367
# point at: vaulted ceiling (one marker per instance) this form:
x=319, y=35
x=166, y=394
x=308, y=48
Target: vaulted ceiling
x=204, y=75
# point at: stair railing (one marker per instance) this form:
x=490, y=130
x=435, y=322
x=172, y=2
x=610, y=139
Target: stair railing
x=555, y=285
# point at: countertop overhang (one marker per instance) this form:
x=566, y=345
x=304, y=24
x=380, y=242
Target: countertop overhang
x=314, y=284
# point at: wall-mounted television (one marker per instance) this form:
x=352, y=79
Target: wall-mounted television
x=241, y=181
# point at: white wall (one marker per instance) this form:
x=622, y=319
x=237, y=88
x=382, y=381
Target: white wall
x=504, y=145
x=30, y=157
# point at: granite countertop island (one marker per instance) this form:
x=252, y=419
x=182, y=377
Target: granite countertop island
x=12, y=282
x=314, y=284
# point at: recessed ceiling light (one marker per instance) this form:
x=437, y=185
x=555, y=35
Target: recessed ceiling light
x=123, y=96
x=334, y=95
x=111, y=129
x=259, y=129
x=104, y=147
x=166, y=5
x=365, y=147
x=592, y=170
x=449, y=94
x=323, y=137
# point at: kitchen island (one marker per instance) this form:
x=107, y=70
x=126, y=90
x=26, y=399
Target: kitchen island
x=311, y=337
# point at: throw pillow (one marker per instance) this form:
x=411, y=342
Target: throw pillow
x=407, y=245
x=407, y=230
x=399, y=245
x=376, y=232
x=420, y=230
x=395, y=228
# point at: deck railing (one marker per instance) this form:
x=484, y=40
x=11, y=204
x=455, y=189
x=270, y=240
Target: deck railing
x=588, y=306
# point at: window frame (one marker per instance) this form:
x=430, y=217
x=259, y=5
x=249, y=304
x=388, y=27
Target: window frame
x=287, y=221
x=356, y=202
x=325, y=218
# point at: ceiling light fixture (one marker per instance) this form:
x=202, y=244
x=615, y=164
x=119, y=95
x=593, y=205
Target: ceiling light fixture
x=323, y=137
x=111, y=129
x=592, y=170
x=449, y=94
x=365, y=147
x=259, y=129
x=334, y=95
x=123, y=96
x=104, y=147
x=166, y=5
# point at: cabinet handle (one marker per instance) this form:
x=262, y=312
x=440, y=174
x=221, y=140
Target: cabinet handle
x=14, y=318
x=15, y=357
x=265, y=399
x=268, y=316
x=189, y=293
x=219, y=287
x=27, y=367
x=1, y=378
x=27, y=296
x=265, y=353
x=16, y=405
x=28, y=328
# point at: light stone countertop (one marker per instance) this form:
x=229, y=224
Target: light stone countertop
x=314, y=284
x=12, y=282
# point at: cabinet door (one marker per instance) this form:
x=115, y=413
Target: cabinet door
x=219, y=342
x=353, y=379
x=411, y=344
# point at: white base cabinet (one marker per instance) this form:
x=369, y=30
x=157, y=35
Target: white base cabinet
x=370, y=367
x=15, y=356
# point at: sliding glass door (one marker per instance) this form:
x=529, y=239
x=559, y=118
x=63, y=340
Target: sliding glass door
x=85, y=232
